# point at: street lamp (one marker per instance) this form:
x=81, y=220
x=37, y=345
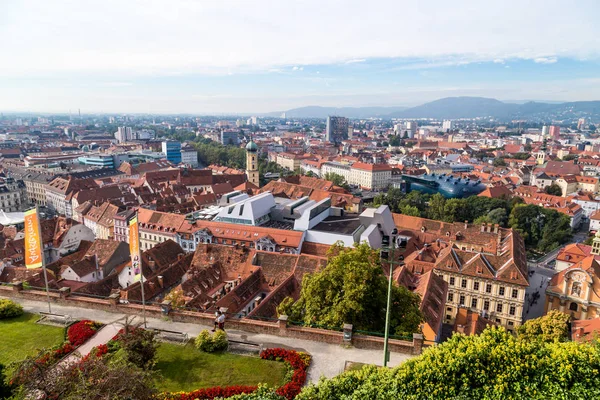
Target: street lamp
x=386, y=241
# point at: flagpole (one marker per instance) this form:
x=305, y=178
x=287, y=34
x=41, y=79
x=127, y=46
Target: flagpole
x=37, y=213
x=138, y=252
x=141, y=273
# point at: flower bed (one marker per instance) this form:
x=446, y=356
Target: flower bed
x=81, y=331
x=298, y=362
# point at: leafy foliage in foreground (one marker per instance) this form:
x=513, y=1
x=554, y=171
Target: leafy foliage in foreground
x=493, y=365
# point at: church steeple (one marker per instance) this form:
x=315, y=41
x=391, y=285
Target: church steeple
x=252, y=163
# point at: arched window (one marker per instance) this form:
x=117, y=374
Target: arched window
x=573, y=307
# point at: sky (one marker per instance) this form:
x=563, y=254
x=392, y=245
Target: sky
x=256, y=56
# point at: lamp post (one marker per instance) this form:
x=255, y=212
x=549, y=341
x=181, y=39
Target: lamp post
x=386, y=353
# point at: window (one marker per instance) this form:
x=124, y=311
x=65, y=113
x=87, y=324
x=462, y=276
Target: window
x=449, y=309
x=463, y=283
x=573, y=307
x=450, y=296
x=501, y=291
x=452, y=281
x=510, y=323
x=486, y=305
x=475, y=285
x=515, y=293
x=512, y=310
x=474, y=303
x=499, y=308
x=461, y=300
x=488, y=288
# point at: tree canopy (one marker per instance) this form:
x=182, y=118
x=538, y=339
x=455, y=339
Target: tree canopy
x=337, y=179
x=553, y=189
x=493, y=365
x=552, y=327
x=543, y=229
x=352, y=289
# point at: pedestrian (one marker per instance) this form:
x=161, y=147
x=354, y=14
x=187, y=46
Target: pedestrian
x=216, y=322
x=221, y=321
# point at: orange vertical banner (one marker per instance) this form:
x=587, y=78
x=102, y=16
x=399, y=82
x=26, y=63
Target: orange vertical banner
x=134, y=248
x=33, y=240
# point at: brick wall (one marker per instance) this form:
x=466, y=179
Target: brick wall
x=279, y=328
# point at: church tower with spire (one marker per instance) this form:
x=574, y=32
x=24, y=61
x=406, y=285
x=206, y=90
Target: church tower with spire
x=252, y=163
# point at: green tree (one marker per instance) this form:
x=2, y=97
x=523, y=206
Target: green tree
x=553, y=189
x=140, y=347
x=494, y=365
x=353, y=289
x=552, y=327
x=410, y=210
x=437, y=204
x=395, y=140
x=499, y=162
x=570, y=157
x=337, y=179
x=498, y=216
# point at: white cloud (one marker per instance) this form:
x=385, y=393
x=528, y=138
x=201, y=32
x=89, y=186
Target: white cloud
x=355, y=60
x=151, y=37
x=545, y=60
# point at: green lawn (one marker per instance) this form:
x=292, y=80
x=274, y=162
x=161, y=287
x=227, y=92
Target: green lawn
x=184, y=368
x=21, y=337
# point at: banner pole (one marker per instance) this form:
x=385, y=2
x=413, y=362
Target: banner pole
x=37, y=213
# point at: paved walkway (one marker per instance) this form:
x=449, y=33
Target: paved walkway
x=328, y=359
x=101, y=337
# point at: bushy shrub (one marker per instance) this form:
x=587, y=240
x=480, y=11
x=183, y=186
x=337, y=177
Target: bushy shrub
x=10, y=309
x=220, y=341
x=211, y=343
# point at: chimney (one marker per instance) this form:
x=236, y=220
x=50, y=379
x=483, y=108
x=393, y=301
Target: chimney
x=152, y=264
x=496, y=226
x=483, y=227
x=179, y=256
x=466, y=224
x=161, y=281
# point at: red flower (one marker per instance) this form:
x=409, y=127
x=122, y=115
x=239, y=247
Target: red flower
x=81, y=331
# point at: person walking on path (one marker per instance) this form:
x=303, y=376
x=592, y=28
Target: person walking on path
x=216, y=323
x=221, y=321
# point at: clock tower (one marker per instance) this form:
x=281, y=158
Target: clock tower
x=252, y=163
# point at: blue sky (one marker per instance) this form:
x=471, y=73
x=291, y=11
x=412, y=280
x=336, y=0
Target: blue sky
x=261, y=55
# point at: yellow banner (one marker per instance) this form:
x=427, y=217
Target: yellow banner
x=33, y=240
x=134, y=248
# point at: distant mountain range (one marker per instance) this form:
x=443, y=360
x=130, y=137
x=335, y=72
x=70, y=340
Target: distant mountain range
x=459, y=107
x=349, y=112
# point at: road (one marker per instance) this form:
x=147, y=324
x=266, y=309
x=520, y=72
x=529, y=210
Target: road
x=328, y=359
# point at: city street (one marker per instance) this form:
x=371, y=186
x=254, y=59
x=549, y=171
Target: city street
x=538, y=283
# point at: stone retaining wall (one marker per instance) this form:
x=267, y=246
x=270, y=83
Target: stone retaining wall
x=278, y=328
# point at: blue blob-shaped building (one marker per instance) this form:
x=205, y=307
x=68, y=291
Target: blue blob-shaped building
x=447, y=185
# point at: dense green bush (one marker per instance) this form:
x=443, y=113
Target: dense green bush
x=211, y=343
x=10, y=309
x=493, y=365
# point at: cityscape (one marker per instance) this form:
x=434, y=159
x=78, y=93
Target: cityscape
x=390, y=220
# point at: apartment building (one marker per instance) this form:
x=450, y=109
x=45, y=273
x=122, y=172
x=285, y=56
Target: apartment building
x=371, y=176
x=484, y=265
x=35, y=187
